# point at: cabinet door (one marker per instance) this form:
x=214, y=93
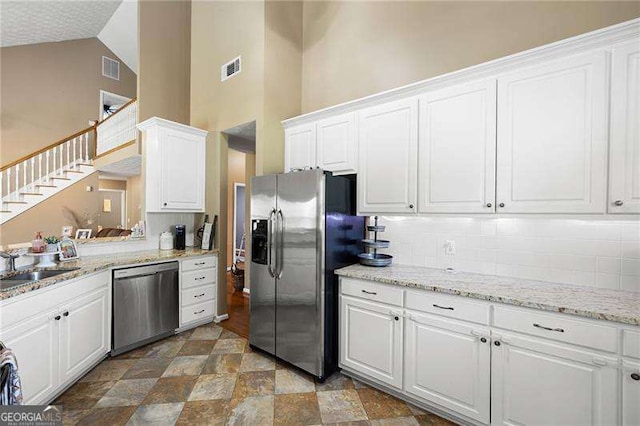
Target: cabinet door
x=35, y=345
x=388, y=149
x=630, y=393
x=624, y=157
x=182, y=172
x=300, y=147
x=552, y=137
x=457, y=149
x=539, y=383
x=86, y=332
x=337, y=144
x=371, y=340
x=446, y=362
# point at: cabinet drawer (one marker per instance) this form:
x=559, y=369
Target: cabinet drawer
x=198, y=294
x=199, y=263
x=631, y=343
x=196, y=312
x=554, y=327
x=448, y=306
x=372, y=291
x=198, y=278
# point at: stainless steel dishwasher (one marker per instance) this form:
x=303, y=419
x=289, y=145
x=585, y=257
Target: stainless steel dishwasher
x=145, y=305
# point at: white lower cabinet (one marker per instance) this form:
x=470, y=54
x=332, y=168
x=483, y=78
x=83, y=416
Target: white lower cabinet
x=56, y=335
x=539, y=383
x=35, y=344
x=198, y=288
x=447, y=362
x=376, y=354
x=630, y=393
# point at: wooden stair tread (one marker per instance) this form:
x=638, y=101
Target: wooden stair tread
x=45, y=186
x=30, y=193
x=14, y=202
x=85, y=164
x=74, y=171
x=5, y=211
x=59, y=178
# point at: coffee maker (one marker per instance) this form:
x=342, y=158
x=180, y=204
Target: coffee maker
x=180, y=232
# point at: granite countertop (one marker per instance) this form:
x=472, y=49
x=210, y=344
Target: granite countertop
x=602, y=304
x=90, y=264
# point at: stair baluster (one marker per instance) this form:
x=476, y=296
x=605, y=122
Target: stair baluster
x=39, y=168
x=17, y=181
x=60, y=153
x=48, y=154
x=75, y=166
x=33, y=174
x=86, y=148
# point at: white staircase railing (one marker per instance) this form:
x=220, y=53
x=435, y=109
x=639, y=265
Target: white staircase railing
x=28, y=175
x=118, y=129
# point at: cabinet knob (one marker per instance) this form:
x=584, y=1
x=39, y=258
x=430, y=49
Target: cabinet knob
x=165, y=204
x=396, y=318
x=57, y=317
x=410, y=206
x=483, y=339
x=501, y=204
x=66, y=314
x=618, y=203
x=489, y=204
x=635, y=376
x=497, y=343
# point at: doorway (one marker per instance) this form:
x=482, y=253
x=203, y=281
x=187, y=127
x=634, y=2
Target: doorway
x=240, y=169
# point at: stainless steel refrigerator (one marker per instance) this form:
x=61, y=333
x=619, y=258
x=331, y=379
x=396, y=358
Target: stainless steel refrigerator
x=303, y=227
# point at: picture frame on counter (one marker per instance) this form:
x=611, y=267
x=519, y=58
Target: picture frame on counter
x=68, y=250
x=83, y=234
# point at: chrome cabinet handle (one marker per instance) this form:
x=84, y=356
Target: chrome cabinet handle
x=559, y=330
x=618, y=203
x=443, y=307
x=199, y=312
x=369, y=292
x=635, y=376
x=199, y=295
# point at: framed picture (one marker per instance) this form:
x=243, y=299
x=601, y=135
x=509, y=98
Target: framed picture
x=68, y=250
x=207, y=237
x=67, y=231
x=83, y=234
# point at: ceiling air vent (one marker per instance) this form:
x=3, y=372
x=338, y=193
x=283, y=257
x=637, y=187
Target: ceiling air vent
x=110, y=68
x=230, y=69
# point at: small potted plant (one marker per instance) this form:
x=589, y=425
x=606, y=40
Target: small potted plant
x=52, y=243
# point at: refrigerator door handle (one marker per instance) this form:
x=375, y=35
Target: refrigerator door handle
x=270, y=243
x=279, y=244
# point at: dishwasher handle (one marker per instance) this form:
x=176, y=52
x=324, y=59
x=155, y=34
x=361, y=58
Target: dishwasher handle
x=141, y=271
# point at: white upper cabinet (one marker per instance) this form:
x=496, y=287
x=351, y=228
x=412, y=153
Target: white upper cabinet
x=175, y=166
x=300, y=147
x=337, y=145
x=552, y=137
x=388, y=148
x=624, y=157
x=457, y=149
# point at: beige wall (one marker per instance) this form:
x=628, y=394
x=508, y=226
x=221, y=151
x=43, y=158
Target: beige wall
x=236, y=168
x=113, y=184
x=164, y=39
x=134, y=200
x=250, y=171
x=354, y=49
x=49, y=216
x=51, y=90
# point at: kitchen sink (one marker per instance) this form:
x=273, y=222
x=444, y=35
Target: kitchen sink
x=7, y=283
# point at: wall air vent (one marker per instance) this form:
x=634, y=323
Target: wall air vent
x=230, y=69
x=110, y=68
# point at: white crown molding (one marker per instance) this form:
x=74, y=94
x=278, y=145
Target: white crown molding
x=161, y=122
x=603, y=38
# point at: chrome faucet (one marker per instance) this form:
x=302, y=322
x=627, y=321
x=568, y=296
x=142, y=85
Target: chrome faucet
x=12, y=259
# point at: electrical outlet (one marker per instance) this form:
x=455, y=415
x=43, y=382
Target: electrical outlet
x=450, y=247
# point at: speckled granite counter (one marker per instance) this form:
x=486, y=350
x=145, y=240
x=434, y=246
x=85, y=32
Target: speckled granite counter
x=90, y=264
x=611, y=305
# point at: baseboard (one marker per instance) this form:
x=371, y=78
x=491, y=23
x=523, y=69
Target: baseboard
x=246, y=290
x=220, y=318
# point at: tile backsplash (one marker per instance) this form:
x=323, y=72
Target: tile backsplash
x=593, y=253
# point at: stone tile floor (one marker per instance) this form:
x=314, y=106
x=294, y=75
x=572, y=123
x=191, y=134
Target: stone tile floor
x=210, y=376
